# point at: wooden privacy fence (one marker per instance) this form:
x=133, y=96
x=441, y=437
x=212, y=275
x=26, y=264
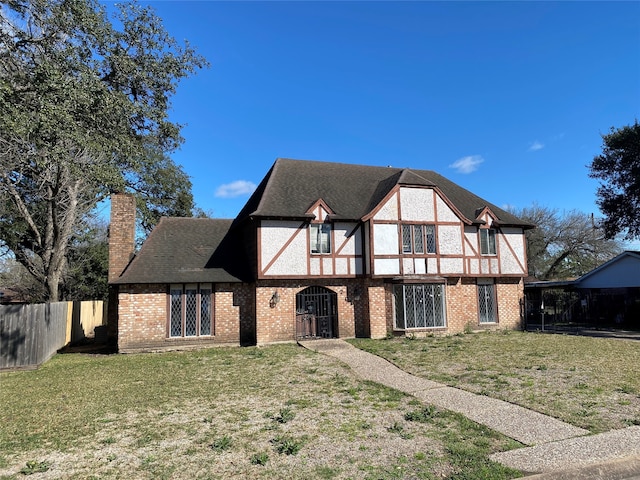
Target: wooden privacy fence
x=31, y=334
x=86, y=319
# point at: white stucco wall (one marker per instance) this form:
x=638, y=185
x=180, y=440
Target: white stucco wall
x=386, y=266
x=320, y=213
x=273, y=237
x=341, y=266
x=314, y=266
x=389, y=210
x=385, y=239
x=471, y=247
x=416, y=204
x=327, y=266
x=474, y=266
x=445, y=214
x=348, y=245
x=356, y=266
x=488, y=219
x=511, y=247
x=432, y=265
x=449, y=240
x=451, y=265
x=494, y=265
x=407, y=266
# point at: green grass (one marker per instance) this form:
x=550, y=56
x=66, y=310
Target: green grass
x=273, y=412
x=588, y=382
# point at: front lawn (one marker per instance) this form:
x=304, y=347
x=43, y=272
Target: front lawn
x=591, y=383
x=272, y=412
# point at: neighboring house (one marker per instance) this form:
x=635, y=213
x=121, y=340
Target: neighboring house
x=9, y=295
x=320, y=250
x=607, y=296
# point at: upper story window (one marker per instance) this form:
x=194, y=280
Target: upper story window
x=418, y=239
x=487, y=241
x=190, y=312
x=320, y=237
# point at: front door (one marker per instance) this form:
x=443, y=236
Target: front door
x=316, y=314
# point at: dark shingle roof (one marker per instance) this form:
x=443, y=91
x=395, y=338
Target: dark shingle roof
x=183, y=250
x=351, y=191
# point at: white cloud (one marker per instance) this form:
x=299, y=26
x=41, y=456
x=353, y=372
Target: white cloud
x=467, y=164
x=535, y=146
x=235, y=189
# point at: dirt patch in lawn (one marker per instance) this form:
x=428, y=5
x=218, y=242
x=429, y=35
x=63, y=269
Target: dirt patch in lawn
x=276, y=412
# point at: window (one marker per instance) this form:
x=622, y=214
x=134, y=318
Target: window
x=320, y=237
x=190, y=310
x=418, y=239
x=406, y=239
x=415, y=238
x=487, y=241
x=431, y=238
x=487, y=308
x=419, y=306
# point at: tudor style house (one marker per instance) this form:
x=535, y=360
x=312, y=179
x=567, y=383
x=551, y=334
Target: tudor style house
x=320, y=250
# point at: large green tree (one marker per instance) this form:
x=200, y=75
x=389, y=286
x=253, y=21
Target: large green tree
x=564, y=244
x=618, y=167
x=83, y=113
x=88, y=263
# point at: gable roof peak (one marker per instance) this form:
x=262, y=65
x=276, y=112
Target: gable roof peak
x=411, y=177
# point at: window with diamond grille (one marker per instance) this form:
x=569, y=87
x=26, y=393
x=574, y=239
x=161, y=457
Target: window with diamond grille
x=430, y=231
x=416, y=237
x=190, y=311
x=176, y=312
x=406, y=239
x=488, y=312
x=205, y=311
x=419, y=306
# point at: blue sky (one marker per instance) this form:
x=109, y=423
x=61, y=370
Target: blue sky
x=506, y=99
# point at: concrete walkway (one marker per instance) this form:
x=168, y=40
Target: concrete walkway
x=552, y=444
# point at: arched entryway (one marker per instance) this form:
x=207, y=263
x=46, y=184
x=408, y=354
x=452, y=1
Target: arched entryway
x=316, y=313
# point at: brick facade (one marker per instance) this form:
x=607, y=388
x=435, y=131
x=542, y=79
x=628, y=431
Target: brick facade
x=276, y=322
x=510, y=294
x=244, y=314
x=461, y=296
x=378, y=302
x=122, y=233
x=143, y=318
x=462, y=311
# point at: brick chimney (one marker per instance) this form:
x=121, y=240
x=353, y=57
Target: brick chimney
x=122, y=233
